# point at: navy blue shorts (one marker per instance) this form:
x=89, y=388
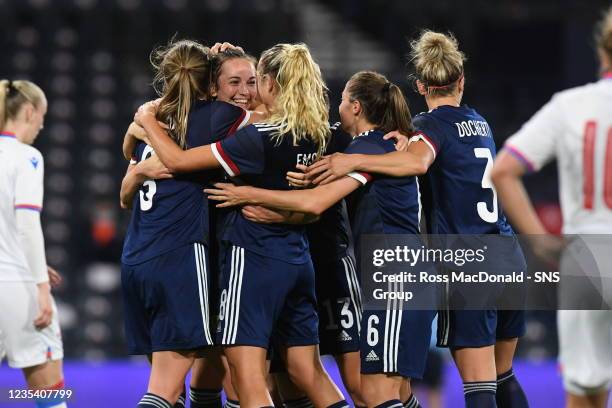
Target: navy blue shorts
x=166, y=302
x=263, y=297
x=395, y=341
x=339, y=305
x=478, y=328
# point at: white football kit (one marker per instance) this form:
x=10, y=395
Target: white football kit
x=21, y=189
x=575, y=127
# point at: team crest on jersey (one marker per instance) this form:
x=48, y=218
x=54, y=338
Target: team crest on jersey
x=34, y=162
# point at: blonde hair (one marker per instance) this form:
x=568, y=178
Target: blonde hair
x=438, y=62
x=15, y=94
x=182, y=76
x=302, y=106
x=382, y=102
x=603, y=35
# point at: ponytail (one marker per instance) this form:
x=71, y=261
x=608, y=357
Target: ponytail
x=15, y=94
x=182, y=77
x=302, y=105
x=382, y=102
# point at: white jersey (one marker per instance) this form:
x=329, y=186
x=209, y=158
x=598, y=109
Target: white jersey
x=21, y=188
x=575, y=127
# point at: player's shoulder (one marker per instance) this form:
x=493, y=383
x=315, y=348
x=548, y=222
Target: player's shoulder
x=576, y=93
x=29, y=155
x=264, y=128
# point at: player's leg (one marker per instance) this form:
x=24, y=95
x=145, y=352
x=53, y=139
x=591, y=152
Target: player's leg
x=290, y=395
x=231, y=395
x=470, y=335
x=585, y=354
x=173, y=289
x=349, y=365
x=38, y=353
x=254, y=289
x=509, y=393
x=297, y=330
x=207, y=376
x=340, y=310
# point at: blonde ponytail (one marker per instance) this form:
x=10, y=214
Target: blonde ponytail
x=302, y=106
x=14, y=94
x=182, y=77
x=438, y=62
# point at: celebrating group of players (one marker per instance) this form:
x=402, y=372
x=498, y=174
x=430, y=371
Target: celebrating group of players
x=279, y=256
x=247, y=283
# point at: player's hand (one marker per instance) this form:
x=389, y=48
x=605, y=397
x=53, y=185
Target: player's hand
x=263, y=215
x=221, y=47
x=45, y=310
x=146, y=112
x=55, y=279
x=330, y=168
x=152, y=168
x=401, y=141
x=133, y=134
x=548, y=247
x=299, y=178
x=229, y=194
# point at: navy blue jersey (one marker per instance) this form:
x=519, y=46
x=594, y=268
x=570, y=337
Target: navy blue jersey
x=329, y=237
x=384, y=205
x=170, y=213
x=463, y=198
x=262, y=160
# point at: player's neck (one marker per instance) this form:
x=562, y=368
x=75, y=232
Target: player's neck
x=13, y=128
x=362, y=126
x=434, y=102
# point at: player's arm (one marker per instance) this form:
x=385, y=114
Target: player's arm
x=413, y=162
x=174, y=158
x=506, y=176
x=265, y=215
x=136, y=174
x=528, y=150
x=28, y=205
x=314, y=201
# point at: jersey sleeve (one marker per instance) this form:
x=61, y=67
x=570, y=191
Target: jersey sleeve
x=339, y=139
x=29, y=184
x=224, y=120
x=425, y=131
x=363, y=146
x=242, y=153
x=534, y=144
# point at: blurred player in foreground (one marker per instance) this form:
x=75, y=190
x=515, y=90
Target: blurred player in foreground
x=575, y=127
x=29, y=325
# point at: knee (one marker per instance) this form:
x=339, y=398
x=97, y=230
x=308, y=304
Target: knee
x=304, y=372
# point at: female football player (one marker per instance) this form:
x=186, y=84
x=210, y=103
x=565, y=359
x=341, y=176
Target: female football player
x=29, y=325
x=371, y=106
x=456, y=148
x=268, y=279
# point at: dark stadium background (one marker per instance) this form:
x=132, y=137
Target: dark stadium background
x=91, y=58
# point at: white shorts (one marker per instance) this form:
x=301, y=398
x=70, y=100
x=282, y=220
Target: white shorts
x=24, y=344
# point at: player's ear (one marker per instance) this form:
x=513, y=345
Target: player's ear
x=356, y=107
x=421, y=87
x=213, y=90
x=461, y=84
x=27, y=111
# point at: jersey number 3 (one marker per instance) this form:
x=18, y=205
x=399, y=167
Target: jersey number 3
x=149, y=188
x=481, y=206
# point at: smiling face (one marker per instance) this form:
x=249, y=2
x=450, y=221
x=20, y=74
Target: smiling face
x=237, y=83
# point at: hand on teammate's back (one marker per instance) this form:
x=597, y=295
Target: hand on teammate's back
x=146, y=111
x=330, y=168
x=152, y=168
x=45, y=310
x=299, y=178
x=401, y=141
